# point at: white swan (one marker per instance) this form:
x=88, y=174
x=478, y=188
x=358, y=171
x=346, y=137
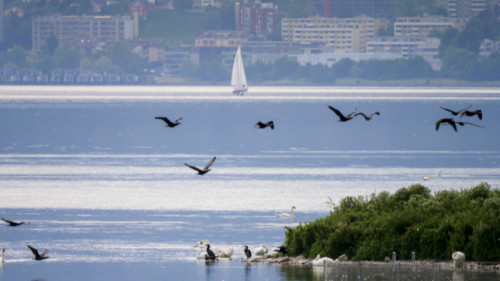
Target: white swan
x=318, y=261
x=202, y=246
x=260, y=251
x=458, y=258
x=438, y=173
x=224, y=253
x=287, y=215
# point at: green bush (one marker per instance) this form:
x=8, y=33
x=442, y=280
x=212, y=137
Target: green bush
x=410, y=220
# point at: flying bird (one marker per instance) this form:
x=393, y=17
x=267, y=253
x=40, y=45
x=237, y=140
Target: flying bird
x=468, y=113
x=455, y=113
x=205, y=169
x=341, y=116
x=367, y=118
x=264, y=125
x=38, y=256
x=449, y=121
x=461, y=123
x=13, y=223
x=281, y=250
x=248, y=253
x=168, y=122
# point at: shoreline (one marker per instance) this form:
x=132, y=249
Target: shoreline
x=449, y=265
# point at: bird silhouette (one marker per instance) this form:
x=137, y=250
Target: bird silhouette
x=462, y=123
x=210, y=254
x=205, y=169
x=264, y=125
x=13, y=223
x=248, y=253
x=168, y=122
x=341, y=116
x=455, y=113
x=468, y=113
x=38, y=256
x=281, y=250
x=367, y=118
x=449, y=121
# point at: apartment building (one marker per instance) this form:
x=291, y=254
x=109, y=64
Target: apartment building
x=221, y=38
x=343, y=35
x=260, y=19
x=466, y=8
x=73, y=30
x=424, y=26
x=407, y=47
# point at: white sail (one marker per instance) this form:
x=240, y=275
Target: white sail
x=238, y=78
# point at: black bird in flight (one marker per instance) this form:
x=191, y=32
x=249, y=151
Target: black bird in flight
x=264, y=125
x=367, y=118
x=248, y=253
x=38, y=256
x=168, y=122
x=13, y=223
x=461, y=123
x=448, y=121
x=203, y=171
x=341, y=116
x=468, y=113
x=455, y=113
x=281, y=249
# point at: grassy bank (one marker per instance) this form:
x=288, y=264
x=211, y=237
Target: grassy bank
x=411, y=219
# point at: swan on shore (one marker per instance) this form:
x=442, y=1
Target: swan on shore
x=319, y=261
x=287, y=215
x=260, y=251
x=221, y=253
x=224, y=253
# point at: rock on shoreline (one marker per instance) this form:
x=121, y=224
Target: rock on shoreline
x=301, y=260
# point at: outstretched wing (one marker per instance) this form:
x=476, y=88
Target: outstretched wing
x=35, y=252
x=7, y=221
x=454, y=113
x=193, y=167
x=209, y=164
x=42, y=254
x=350, y=114
x=165, y=119
x=339, y=114
x=178, y=120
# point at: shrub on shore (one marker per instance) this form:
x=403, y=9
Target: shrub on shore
x=410, y=220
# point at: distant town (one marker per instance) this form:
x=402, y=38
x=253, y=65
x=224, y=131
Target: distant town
x=96, y=42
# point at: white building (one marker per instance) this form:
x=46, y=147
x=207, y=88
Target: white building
x=76, y=30
x=344, y=35
x=424, y=26
x=407, y=47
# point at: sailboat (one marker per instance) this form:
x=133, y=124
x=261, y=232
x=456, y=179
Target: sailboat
x=238, y=78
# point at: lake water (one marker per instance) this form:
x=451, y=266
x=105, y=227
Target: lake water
x=106, y=191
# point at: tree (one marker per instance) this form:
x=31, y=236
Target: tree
x=52, y=44
x=17, y=56
x=457, y=62
x=67, y=57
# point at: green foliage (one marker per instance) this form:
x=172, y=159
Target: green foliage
x=410, y=220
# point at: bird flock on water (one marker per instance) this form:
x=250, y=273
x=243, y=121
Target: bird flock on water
x=209, y=254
